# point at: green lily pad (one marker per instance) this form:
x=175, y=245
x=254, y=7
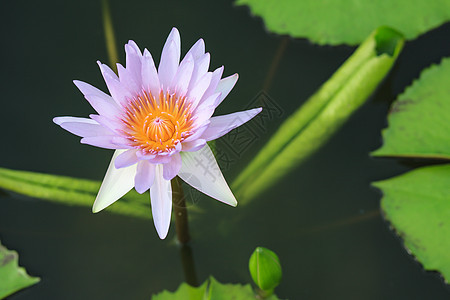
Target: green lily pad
x=184, y=291
x=348, y=22
x=418, y=203
x=418, y=206
x=211, y=289
x=12, y=277
x=419, y=120
x=221, y=291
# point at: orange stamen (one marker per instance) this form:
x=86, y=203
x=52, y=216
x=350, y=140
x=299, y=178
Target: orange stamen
x=157, y=125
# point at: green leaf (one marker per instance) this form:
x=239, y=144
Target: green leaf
x=418, y=203
x=70, y=191
x=211, y=289
x=12, y=277
x=418, y=206
x=265, y=268
x=348, y=22
x=221, y=291
x=324, y=112
x=185, y=291
x=419, y=119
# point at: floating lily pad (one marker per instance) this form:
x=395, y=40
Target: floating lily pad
x=12, y=277
x=184, y=291
x=419, y=120
x=418, y=203
x=348, y=22
x=211, y=289
x=418, y=206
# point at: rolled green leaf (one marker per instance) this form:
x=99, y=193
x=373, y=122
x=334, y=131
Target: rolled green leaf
x=265, y=268
x=320, y=117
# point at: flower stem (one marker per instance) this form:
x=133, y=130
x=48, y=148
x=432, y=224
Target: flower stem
x=187, y=260
x=180, y=211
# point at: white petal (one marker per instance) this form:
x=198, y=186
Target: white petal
x=198, y=132
x=221, y=125
x=161, y=199
x=172, y=168
x=194, y=145
x=86, y=129
x=225, y=86
x=145, y=176
x=119, y=93
x=105, y=142
x=204, y=114
x=133, y=45
x=121, y=142
x=198, y=49
x=60, y=120
x=126, y=159
x=101, y=102
x=170, y=58
x=181, y=80
x=112, y=124
x=117, y=182
x=195, y=94
x=133, y=61
x=215, y=78
x=88, y=89
x=205, y=110
x=128, y=81
x=200, y=170
x=150, y=79
x=83, y=127
x=157, y=159
x=106, y=108
x=201, y=66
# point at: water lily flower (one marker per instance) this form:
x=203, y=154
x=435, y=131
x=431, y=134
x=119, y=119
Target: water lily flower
x=158, y=120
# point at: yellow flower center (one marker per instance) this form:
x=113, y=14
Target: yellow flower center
x=157, y=125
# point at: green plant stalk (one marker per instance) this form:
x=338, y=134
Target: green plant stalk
x=109, y=35
x=311, y=126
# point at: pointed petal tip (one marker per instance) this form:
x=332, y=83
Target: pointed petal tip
x=57, y=120
x=230, y=200
x=162, y=234
x=140, y=191
x=96, y=208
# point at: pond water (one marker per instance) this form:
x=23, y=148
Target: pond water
x=323, y=220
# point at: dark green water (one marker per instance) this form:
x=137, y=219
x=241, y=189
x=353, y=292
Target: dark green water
x=323, y=221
